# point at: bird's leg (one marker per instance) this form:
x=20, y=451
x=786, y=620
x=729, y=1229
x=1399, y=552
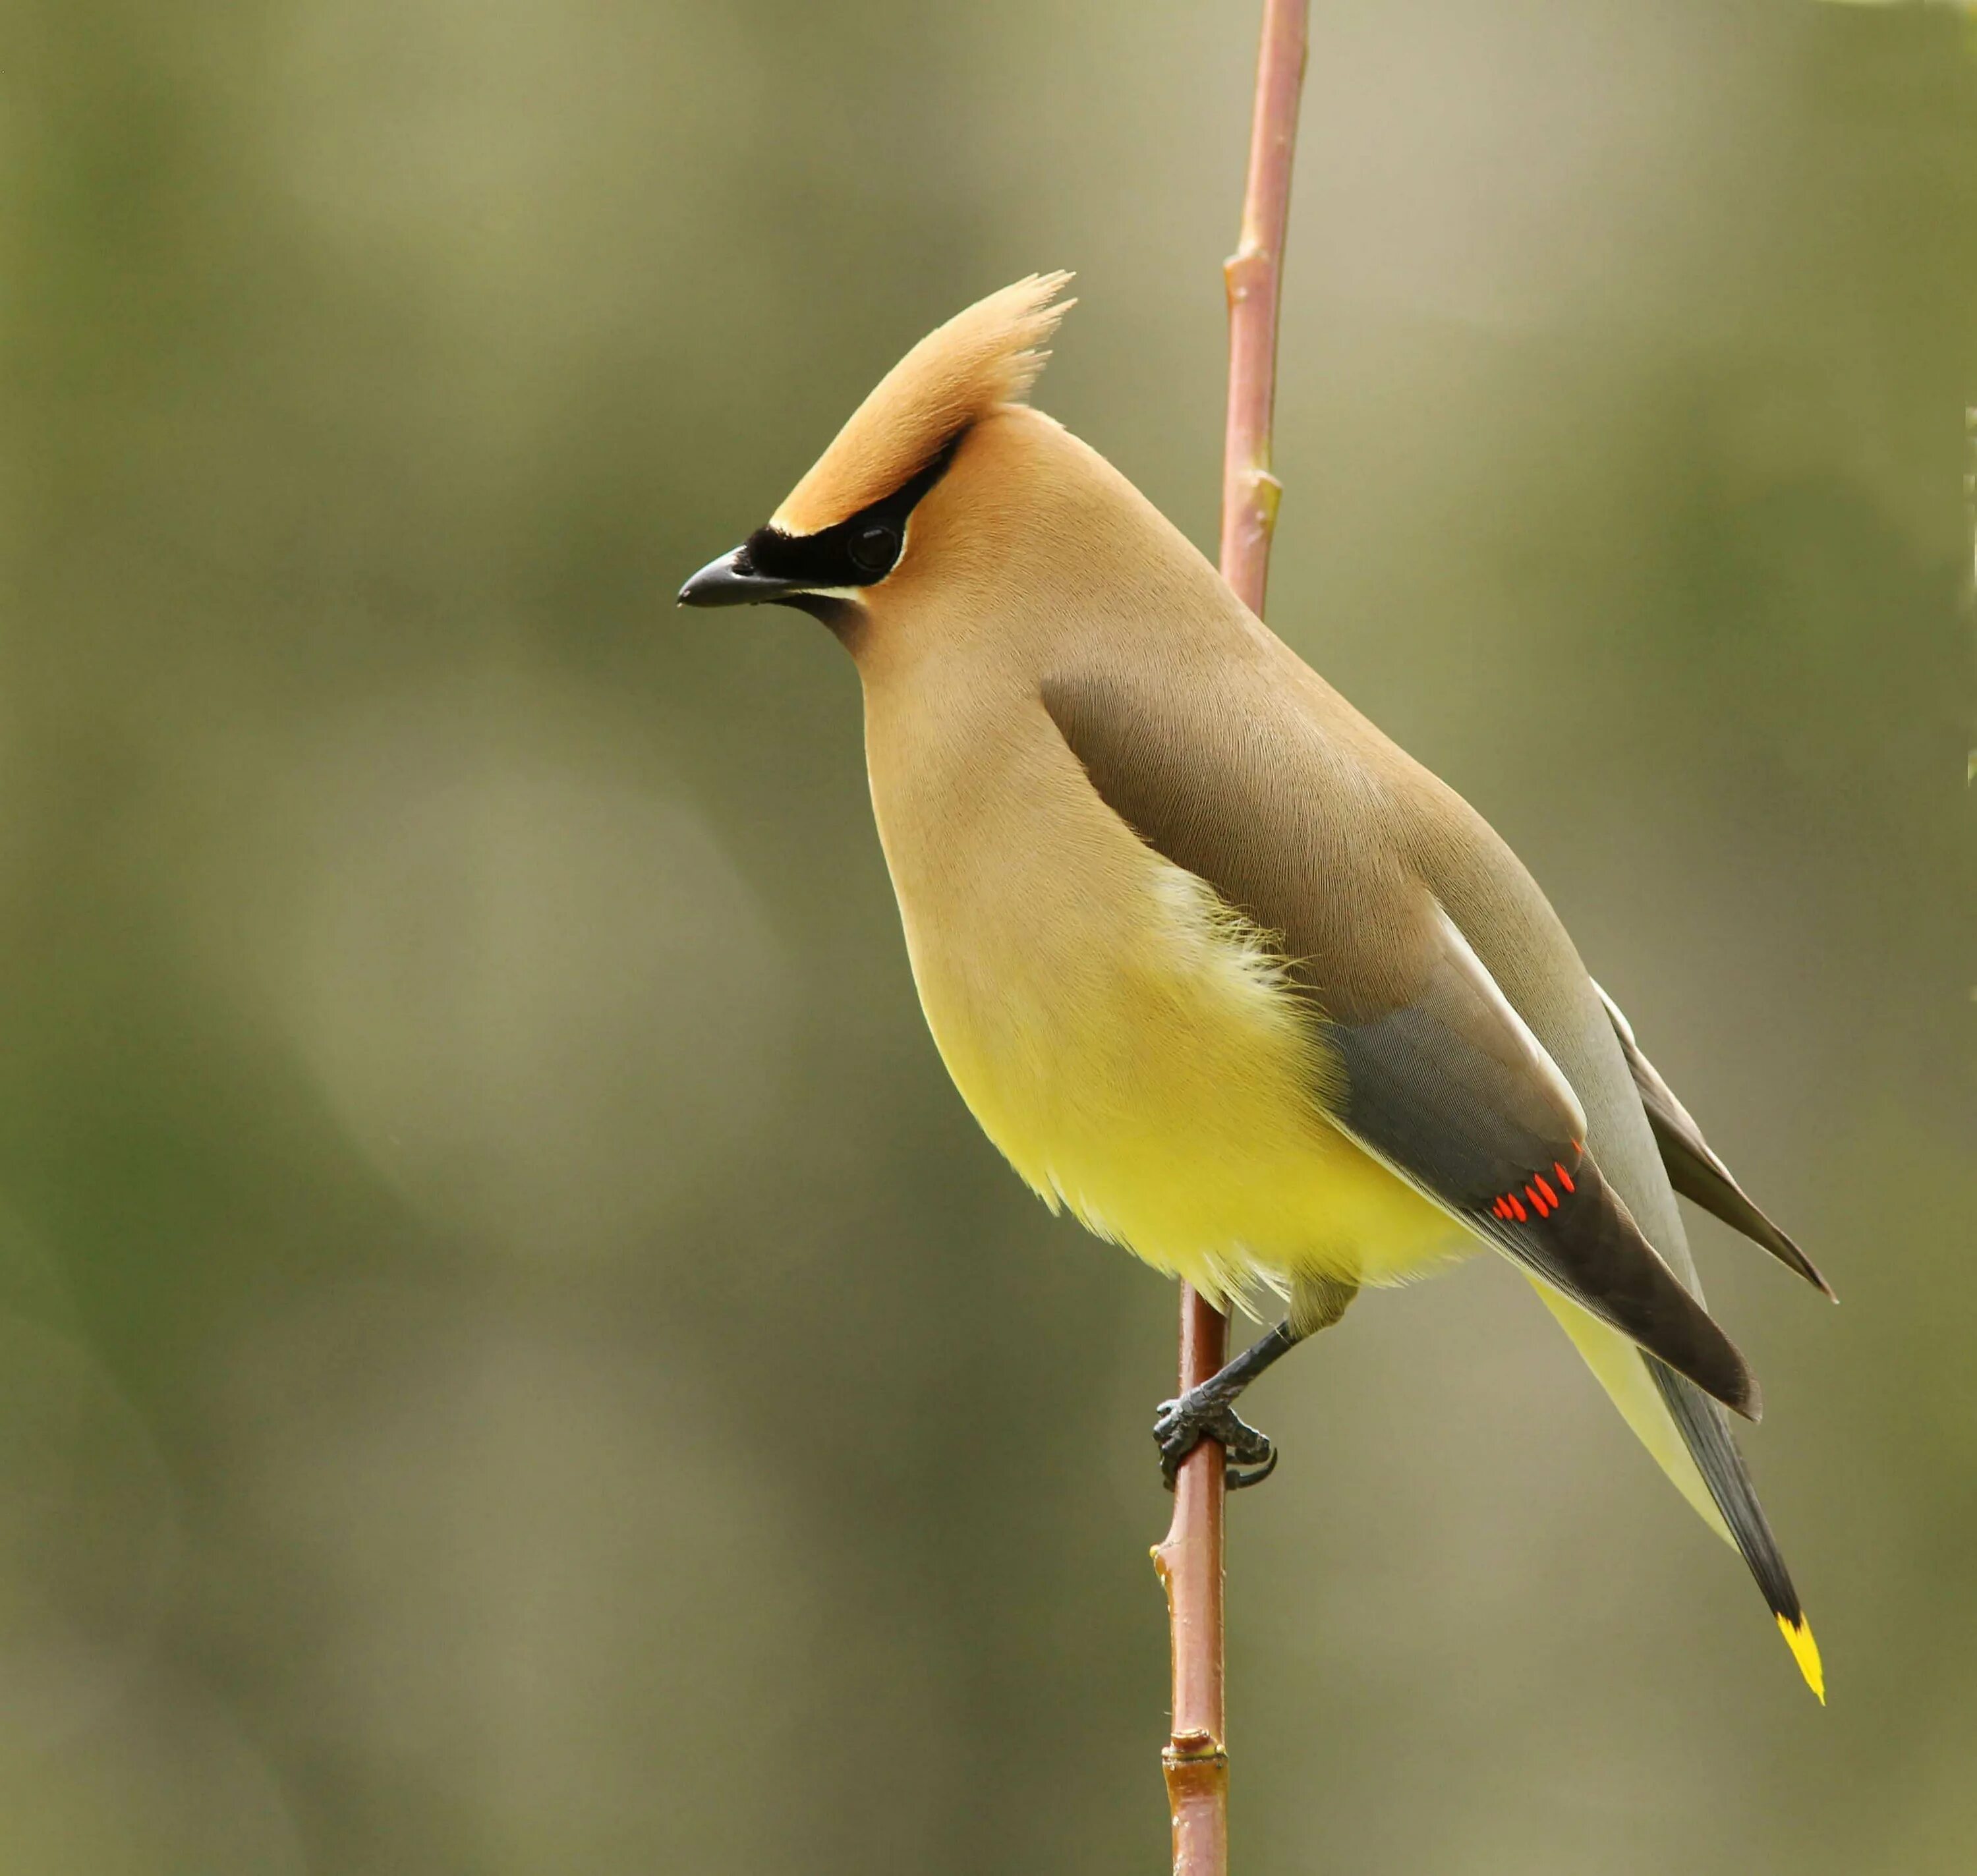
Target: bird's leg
x=1206, y=1412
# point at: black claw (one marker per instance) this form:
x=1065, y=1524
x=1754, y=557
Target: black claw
x=1234, y=1478
x=1184, y=1423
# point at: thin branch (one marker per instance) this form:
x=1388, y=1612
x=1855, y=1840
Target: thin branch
x=1189, y=1560
x=1254, y=275
x=1195, y=1761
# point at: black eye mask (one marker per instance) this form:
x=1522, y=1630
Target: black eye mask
x=860, y=552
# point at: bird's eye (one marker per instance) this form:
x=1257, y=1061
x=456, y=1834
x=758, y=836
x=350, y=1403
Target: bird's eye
x=874, y=550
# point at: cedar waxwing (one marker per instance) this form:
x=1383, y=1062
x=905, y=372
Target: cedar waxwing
x=1214, y=964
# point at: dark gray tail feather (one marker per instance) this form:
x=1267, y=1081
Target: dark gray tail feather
x=1705, y=1431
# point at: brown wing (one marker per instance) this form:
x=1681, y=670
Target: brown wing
x=1443, y=1081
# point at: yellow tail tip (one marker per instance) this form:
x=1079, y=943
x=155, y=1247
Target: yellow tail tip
x=1805, y=1652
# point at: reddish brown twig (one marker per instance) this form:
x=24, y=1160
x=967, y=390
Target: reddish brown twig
x=1254, y=275
x=1196, y=1761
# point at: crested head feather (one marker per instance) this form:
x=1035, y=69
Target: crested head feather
x=989, y=355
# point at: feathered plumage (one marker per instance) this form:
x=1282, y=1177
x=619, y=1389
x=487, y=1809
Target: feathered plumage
x=1215, y=964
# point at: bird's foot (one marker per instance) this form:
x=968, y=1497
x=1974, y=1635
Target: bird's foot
x=1183, y=1425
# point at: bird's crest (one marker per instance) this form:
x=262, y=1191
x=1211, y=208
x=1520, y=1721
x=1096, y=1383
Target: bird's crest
x=990, y=354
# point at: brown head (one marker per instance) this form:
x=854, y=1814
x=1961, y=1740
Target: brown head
x=848, y=526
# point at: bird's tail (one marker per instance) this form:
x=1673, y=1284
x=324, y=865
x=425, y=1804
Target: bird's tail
x=1689, y=1437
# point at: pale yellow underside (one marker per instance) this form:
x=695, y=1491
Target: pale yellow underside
x=1165, y=1092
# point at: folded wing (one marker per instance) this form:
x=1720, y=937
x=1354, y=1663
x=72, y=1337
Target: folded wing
x=1443, y=1082
x=1453, y=1093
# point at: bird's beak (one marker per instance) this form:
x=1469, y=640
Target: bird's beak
x=731, y=582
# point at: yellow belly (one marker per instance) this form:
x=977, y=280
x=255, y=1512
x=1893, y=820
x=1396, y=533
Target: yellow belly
x=1162, y=1086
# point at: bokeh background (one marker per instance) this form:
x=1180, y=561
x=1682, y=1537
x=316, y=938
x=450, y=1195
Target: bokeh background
x=513, y=1357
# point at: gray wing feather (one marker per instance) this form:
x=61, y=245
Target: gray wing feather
x=1694, y=1169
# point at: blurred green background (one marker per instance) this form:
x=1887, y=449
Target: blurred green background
x=513, y=1357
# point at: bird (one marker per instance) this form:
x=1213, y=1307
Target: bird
x=1218, y=968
